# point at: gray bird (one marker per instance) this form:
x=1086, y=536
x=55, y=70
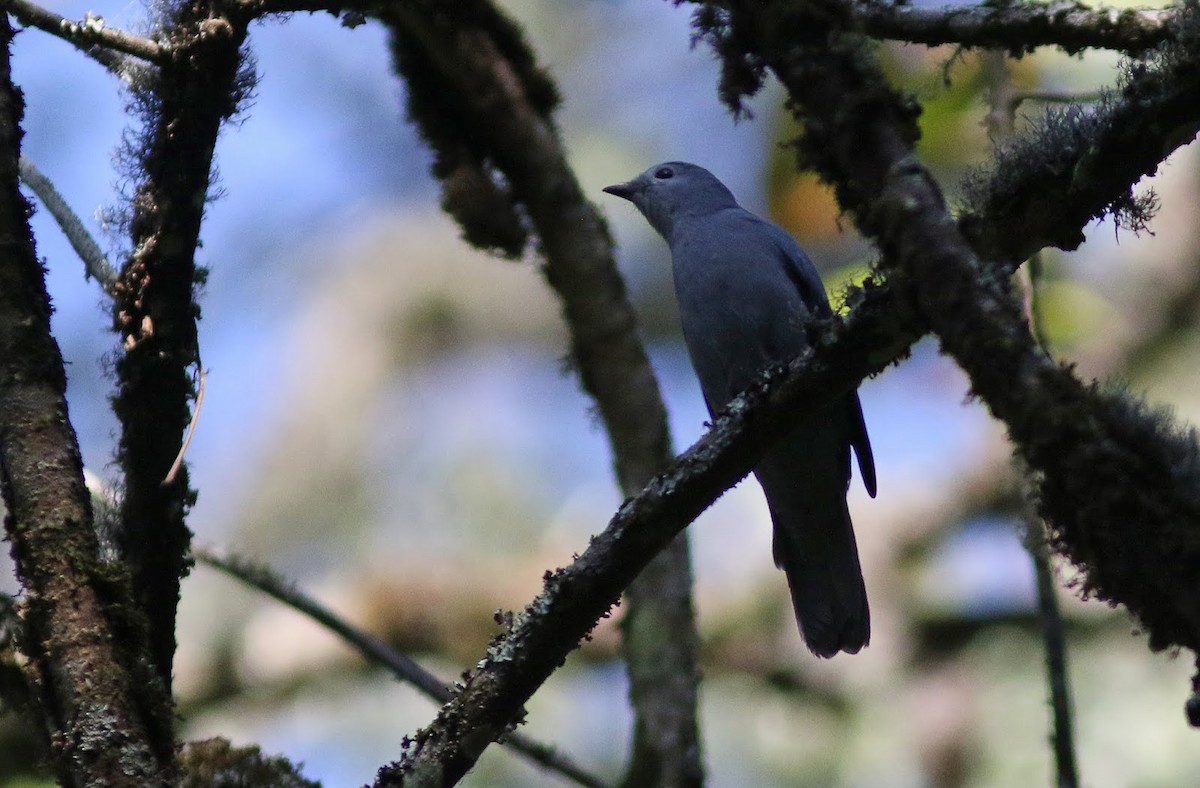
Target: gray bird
x=746, y=293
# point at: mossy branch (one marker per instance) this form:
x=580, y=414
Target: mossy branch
x=1119, y=482
x=154, y=310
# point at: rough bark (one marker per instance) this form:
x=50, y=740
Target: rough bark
x=154, y=310
x=110, y=724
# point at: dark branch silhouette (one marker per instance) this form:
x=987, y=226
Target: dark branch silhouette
x=1116, y=480
x=1021, y=27
x=154, y=311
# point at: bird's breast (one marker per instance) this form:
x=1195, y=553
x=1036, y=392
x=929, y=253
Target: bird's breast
x=736, y=321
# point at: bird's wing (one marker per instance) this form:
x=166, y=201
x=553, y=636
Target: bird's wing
x=804, y=276
x=800, y=270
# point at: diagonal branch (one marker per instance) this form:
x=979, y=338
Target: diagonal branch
x=402, y=666
x=1117, y=481
x=94, y=260
x=577, y=596
x=88, y=34
x=1091, y=159
x=1020, y=27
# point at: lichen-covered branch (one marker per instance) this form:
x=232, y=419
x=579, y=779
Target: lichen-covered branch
x=1120, y=485
x=95, y=263
x=109, y=725
x=1089, y=157
x=577, y=596
x=86, y=35
x=154, y=310
x=485, y=107
x=1019, y=27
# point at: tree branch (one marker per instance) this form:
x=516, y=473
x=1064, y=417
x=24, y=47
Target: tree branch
x=88, y=34
x=577, y=596
x=1091, y=159
x=1116, y=481
x=95, y=262
x=1020, y=27
x=154, y=311
x=476, y=92
x=374, y=650
x=110, y=724
x=1054, y=639
x=881, y=326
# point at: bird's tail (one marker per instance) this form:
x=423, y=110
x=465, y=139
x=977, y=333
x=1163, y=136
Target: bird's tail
x=805, y=483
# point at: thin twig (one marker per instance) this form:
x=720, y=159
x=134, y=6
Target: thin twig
x=403, y=667
x=1002, y=120
x=1056, y=97
x=1053, y=635
x=92, y=31
x=1062, y=735
x=94, y=260
x=191, y=430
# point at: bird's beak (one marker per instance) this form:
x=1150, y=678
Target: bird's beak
x=623, y=190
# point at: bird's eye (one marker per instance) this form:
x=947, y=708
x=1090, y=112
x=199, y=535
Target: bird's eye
x=662, y=173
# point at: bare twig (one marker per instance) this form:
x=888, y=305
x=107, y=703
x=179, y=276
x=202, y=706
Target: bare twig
x=402, y=666
x=1055, y=97
x=1054, y=637
x=92, y=31
x=95, y=262
x=1001, y=121
x=1062, y=735
x=187, y=439
x=1020, y=27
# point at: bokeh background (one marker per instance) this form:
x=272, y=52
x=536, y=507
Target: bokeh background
x=389, y=421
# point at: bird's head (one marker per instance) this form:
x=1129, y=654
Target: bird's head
x=672, y=190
